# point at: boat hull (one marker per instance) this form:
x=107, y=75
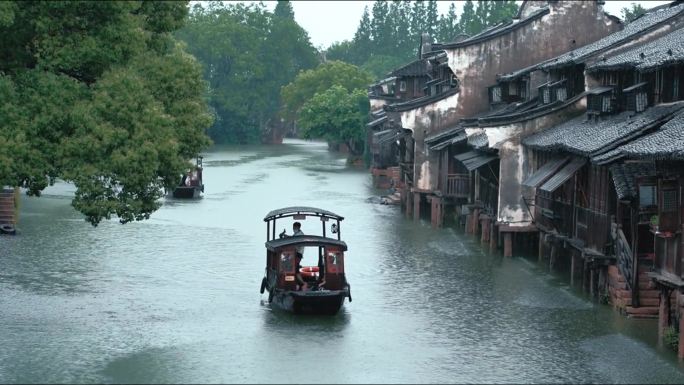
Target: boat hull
x=328, y=302
x=187, y=192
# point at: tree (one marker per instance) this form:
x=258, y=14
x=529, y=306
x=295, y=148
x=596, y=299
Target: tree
x=283, y=10
x=337, y=115
x=248, y=55
x=469, y=23
x=309, y=82
x=448, y=25
x=101, y=95
x=431, y=18
x=630, y=13
x=380, y=65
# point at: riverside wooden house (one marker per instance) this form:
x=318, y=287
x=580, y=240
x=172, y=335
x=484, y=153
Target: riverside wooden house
x=575, y=148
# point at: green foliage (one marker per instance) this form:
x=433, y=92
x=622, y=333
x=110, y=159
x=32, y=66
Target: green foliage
x=632, y=12
x=671, y=338
x=248, y=54
x=380, y=65
x=308, y=83
x=98, y=94
x=337, y=115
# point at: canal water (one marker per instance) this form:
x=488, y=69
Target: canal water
x=176, y=298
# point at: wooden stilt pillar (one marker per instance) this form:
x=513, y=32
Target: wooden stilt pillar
x=680, y=350
x=573, y=267
x=552, y=257
x=475, y=222
x=486, y=222
x=436, y=212
x=540, y=255
x=663, y=315
x=408, y=201
x=508, y=244
x=492, y=237
x=416, y=206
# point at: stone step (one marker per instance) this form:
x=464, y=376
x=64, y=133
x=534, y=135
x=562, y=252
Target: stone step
x=642, y=311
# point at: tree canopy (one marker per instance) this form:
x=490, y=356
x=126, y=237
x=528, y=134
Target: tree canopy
x=101, y=95
x=310, y=82
x=394, y=28
x=248, y=54
x=337, y=115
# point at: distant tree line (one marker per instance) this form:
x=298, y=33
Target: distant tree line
x=388, y=35
x=248, y=54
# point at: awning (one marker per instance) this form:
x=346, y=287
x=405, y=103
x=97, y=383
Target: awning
x=386, y=136
x=377, y=121
x=473, y=160
x=563, y=175
x=460, y=137
x=544, y=172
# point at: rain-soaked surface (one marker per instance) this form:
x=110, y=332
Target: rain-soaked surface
x=176, y=298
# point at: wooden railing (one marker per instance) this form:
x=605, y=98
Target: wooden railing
x=625, y=258
x=457, y=185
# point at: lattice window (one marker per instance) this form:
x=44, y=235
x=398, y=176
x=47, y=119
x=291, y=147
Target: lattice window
x=641, y=101
x=561, y=93
x=402, y=86
x=669, y=203
x=496, y=94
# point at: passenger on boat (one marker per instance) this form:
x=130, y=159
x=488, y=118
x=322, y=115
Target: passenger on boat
x=188, y=179
x=301, y=284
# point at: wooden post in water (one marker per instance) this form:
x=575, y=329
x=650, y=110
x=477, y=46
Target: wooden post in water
x=508, y=244
x=573, y=267
x=416, y=206
x=486, y=222
x=475, y=222
x=540, y=255
x=552, y=257
x=680, y=349
x=492, y=237
x=663, y=314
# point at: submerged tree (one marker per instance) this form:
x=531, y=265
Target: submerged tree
x=101, y=95
x=338, y=116
x=310, y=82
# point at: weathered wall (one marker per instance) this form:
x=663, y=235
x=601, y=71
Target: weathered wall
x=514, y=164
x=569, y=25
x=376, y=103
x=424, y=121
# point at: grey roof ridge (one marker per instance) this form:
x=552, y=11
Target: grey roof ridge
x=612, y=45
x=418, y=102
x=533, y=114
x=506, y=28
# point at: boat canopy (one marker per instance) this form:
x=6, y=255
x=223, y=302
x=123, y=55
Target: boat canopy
x=301, y=210
x=305, y=240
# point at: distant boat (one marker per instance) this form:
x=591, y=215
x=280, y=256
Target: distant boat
x=191, y=185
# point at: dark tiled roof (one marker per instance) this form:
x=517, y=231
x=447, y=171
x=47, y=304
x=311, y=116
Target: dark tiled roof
x=636, y=27
x=414, y=68
x=446, y=142
x=478, y=140
x=625, y=174
x=473, y=160
x=666, y=143
x=377, y=121
x=666, y=50
x=422, y=101
x=498, y=30
x=586, y=137
x=447, y=133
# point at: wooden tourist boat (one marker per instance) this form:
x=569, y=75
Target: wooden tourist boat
x=325, y=285
x=191, y=184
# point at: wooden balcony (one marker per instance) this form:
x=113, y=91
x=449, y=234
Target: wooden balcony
x=456, y=185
